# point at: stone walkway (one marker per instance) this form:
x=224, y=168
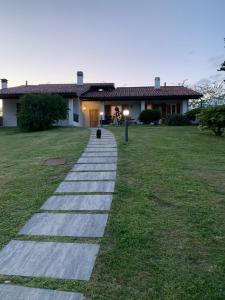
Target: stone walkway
x=86, y=189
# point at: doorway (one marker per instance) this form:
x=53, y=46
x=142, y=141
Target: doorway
x=93, y=116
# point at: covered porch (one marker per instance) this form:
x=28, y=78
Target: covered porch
x=91, y=117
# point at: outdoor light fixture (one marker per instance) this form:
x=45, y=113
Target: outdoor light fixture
x=101, y=116
x=84, y=108
x=126, y=114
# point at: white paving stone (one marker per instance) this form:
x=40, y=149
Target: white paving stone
x=91, y=176
x=94, y=160
x=94, y=167
x=86, y=187
x=15, y=292
x=102, y=146
x=100, y=154
x=100, y=149
x=48, y=259
x=78, y=202
x=60, y=224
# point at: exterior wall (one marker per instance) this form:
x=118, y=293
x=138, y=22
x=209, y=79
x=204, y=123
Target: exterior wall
x=184, y=106
x=9, y=112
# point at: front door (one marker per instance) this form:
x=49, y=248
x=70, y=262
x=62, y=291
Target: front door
x=93, y=115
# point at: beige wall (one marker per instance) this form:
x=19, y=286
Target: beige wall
x=9, y=112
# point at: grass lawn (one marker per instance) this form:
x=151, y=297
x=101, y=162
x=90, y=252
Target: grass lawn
x=165, y=236
x=25, y=183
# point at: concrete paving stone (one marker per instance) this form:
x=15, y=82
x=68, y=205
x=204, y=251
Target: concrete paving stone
x=91, y=176
x=86, y=187
x=60, y=224
x=94, y=160
x=78, y=202
x=102, y=139
x=100, y=154
x=100, y=149
x=102, y=145
x=94, y=167
x=16, y=292
x=48, y=259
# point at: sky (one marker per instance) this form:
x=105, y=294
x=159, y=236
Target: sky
x=128, y=42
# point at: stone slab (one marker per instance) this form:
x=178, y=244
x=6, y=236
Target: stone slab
x=78, y=202
x=94, y=160
x=102, y=142
x=91, y=176
x=94, y=167
x=110, y=140
x=101, y=154
x=100, y=149
x=60, y=224
x=86, y=187
x=48, y=259
x=102, y=146
x=16, y=292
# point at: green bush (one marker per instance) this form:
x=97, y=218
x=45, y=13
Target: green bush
x=191, y=114
x=148, y=116
x=177, y=120
x=41, y=111
x=213, y=118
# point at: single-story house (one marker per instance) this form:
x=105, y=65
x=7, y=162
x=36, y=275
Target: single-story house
x=87, y=100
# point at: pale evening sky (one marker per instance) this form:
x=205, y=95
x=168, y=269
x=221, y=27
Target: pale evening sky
x=128, y=42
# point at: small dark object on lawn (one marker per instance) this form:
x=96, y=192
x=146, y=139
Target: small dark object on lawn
x=98, y=133
x=54, y=162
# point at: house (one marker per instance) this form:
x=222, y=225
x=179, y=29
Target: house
x=87, y=100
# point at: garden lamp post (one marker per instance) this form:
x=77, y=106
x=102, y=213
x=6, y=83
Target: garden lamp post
x=101, y=118
x=126, y=114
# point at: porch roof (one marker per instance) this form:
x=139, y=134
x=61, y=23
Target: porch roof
x=146, y=92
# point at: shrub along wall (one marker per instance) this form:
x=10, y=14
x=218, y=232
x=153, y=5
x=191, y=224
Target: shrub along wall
x=41, y=111
x=148, y=116
x=177, y=120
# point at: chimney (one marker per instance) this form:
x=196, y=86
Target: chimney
x=80, y=78
x=157, y=82
x=4, y=83
x=164, y=83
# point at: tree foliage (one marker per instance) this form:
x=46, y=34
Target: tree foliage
x=211, y=90
x=213, y=118
x=192, y=114
x=41, y=111
x=148, y=116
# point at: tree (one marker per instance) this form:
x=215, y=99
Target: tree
x=211, y=90
x=41, y=111
x=213, y=118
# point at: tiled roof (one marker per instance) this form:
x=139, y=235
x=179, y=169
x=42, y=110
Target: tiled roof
x=65, y=89
x=142, y=92
x=90, y=91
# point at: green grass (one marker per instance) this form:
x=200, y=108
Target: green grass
x=165, y=235
x=25, y=183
